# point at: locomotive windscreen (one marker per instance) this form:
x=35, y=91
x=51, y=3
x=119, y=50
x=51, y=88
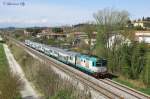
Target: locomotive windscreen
x=101, y=63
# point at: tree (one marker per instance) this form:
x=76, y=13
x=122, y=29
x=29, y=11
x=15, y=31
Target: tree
x=125, y=59
x=108, y=20
x=143, y=19
x=137, y=59
x=146, y=71
x=57, y=30
x=110, y=23
x=147, y=19
x=89, y=29
x=34, y=30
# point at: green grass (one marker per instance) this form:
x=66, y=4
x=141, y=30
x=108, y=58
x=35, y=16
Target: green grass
x=124, y=82
x=3, y=61
x=131, y=85
x=145, y=90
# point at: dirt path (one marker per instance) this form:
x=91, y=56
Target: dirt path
x=27, y=92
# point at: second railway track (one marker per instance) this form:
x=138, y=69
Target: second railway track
x=126, y=89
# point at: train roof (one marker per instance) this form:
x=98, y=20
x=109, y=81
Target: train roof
x=59, y=50
x=88, y=57
x=70, y=53
x=73, y=53
x=93, y=56
x=64, y=51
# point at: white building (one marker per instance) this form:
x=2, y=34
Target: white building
x=93, y=41
x=143, y=36
x=139, y=23
x=142, y=24
x=117, y=40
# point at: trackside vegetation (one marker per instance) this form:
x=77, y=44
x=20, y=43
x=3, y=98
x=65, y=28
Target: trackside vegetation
x=9, y=84
x=127, y=58
x=47, y=82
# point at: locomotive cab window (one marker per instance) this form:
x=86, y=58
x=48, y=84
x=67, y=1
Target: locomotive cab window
x=99, y=63
x=104, y=62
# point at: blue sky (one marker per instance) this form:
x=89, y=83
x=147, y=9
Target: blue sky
x=64, y=12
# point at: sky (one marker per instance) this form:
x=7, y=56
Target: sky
x=28, y=13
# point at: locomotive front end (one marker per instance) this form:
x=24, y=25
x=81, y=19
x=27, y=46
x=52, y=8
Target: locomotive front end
x=100, y=68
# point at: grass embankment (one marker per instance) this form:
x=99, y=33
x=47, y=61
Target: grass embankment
x=135, y=84
x=9, y=84
x=50, y=84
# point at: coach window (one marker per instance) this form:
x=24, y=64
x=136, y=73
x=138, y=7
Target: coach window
x=70, y=58
x=93, y=63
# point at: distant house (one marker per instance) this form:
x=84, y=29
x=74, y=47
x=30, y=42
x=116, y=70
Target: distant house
x=143, y=36
x=139, y=23
x=142, y=24
x=47, y=30
x=140, y=36
x=52, y=36
x=49, y=34
x=27, y=33
x=82, y=36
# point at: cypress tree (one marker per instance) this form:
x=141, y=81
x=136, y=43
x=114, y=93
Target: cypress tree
x=146, y=71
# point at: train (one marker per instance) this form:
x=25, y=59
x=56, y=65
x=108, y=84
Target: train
x=91, y=65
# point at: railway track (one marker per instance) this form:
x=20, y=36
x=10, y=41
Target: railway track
x=106, y=87
x=73, y=73
x=126, y=89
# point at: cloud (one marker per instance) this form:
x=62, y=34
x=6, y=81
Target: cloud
x=23, y=21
